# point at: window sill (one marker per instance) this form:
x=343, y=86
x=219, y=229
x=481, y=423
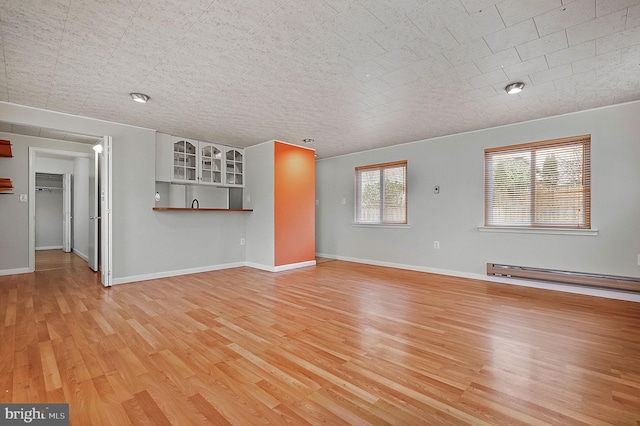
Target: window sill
x=522, y=230
x=380, y=225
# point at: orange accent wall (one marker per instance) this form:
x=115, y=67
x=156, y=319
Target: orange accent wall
x=294, y=196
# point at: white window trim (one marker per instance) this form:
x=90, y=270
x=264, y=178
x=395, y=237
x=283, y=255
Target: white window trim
x=523, y=230
x=585, y=140
x=380, y=225
x=381, y=166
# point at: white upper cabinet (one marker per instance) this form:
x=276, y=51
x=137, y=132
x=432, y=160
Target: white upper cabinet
x=234, y=167
x=211, y=164
x=181, y=160
x=185, y=161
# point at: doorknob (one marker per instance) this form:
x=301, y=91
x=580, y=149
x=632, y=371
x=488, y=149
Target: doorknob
x=94, y=217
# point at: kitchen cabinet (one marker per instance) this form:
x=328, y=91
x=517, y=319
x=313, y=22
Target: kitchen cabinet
x=185, y=160
x=234, y=167
x=211, y=164
x=188, y=161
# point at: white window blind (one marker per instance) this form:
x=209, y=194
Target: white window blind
x=381, y=193
x=541, y=184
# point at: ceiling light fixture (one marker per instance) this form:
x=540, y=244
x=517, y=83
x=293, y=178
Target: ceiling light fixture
x=308, y=140
x=139, y=97
x=514, y=88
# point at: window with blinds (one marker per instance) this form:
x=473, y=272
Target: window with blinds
x=381, y=193
x=540, y=184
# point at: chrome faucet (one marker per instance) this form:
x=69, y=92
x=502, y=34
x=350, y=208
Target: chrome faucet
x=195, y=202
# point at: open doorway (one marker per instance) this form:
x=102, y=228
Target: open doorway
x=62, y=205
x=98, y=213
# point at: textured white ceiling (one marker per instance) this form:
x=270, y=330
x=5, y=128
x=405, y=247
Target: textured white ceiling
x=353, y=75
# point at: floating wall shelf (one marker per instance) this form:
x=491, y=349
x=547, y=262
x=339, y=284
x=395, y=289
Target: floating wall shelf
x=5, y=148
x=6, y=186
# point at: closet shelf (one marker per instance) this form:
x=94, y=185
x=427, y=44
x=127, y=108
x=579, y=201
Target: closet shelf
x=48, y=188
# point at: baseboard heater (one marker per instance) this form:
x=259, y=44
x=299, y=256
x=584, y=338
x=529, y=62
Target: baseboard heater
x=611, y=282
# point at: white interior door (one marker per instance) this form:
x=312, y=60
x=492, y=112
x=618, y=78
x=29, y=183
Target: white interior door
x=93, y=213
x=66, y=212
x=106, y=251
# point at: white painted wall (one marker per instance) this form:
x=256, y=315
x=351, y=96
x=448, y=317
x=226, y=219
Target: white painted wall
x=259, y=189
x=145, y=243
x=53, y=165
x=456, y=163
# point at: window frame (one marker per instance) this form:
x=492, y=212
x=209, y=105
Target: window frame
x=531, y=147
x=358, y=199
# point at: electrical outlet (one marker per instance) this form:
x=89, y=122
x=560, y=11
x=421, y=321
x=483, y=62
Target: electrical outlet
x=638, y=259
x=242, y=241
x=344, y=201
x=436, y=244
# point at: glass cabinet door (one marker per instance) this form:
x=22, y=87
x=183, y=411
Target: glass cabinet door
x=184, y=161
x=234, y=167
x=210, y=164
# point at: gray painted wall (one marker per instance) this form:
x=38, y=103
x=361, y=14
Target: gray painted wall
x=456, y=163
x=259, y=188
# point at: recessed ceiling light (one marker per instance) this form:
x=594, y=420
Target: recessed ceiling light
x=514, y=88
x=308, y=140
x=139, y=97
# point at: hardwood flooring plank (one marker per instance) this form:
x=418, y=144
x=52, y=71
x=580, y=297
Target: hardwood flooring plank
x=212, y=415
x=151, y=409
x=136, y=414
x=50, y=371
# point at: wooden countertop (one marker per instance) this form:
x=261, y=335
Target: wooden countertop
x=187, y=209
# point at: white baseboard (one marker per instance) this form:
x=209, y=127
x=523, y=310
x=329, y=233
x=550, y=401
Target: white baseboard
x=14, y=271
x=167, y=274
x=81, y=255
x=587, y=291
x=281, y=267
x=49, y=248
x=153, y=276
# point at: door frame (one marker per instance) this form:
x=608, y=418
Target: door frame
x=67, y=212
x=106, y=204
x=33, y=153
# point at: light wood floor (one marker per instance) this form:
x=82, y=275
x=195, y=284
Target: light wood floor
x=57, y=259
x=338, y=343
